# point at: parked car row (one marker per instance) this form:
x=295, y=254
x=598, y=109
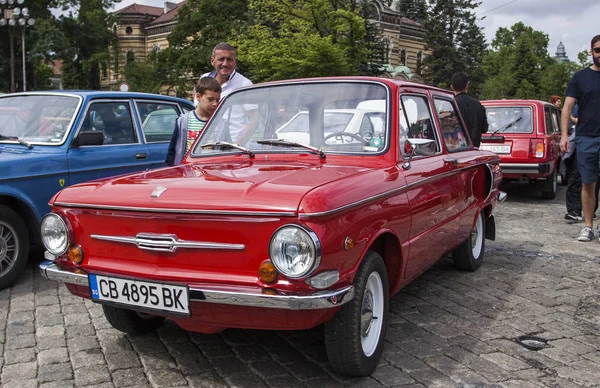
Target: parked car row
x=342, y=191
x=52, y=140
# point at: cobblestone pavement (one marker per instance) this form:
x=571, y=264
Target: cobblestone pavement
x=447, y=329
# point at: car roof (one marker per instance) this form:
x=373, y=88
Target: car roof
x=514, y=102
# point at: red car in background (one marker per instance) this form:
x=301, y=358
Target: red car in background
x=258, y=231
x=526, y=136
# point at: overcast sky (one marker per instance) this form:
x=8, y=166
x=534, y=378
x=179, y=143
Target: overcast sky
x=569, y=21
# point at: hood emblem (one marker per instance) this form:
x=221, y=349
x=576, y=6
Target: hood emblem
x=158, y=190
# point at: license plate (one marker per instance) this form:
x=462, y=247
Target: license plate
x=151, y=296
x=498, y=149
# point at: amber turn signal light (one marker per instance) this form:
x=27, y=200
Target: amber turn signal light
x=76, y=255
x=267, y=272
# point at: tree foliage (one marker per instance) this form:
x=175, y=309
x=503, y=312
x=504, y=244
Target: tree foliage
x=306, y=38
x=413, y=9
x=455, y=41
x=584, y=59
x=518, y=66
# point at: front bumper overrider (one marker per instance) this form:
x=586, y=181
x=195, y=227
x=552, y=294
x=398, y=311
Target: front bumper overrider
x=248, y=297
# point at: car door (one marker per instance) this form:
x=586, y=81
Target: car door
x=122, y=151
x=157, y=123
x=433, y=186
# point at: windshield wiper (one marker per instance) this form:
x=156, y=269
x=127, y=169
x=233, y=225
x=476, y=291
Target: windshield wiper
x=2, y=137
x=509, y=125
x=285, y=143
x=230, y=145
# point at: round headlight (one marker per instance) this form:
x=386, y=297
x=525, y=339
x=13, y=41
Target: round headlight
x=55, y=234
x=295, y=251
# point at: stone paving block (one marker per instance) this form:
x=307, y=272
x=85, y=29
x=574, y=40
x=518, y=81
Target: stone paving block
x=388, y=376
x=208, y=380
x=238, y=381
x=572, y=346
x=51, y=342
x=472, y=344
x=76, y=319
x=488, y=369
x=53, y=356
x=55, y=372
x=122, y=360
x=406, y=362
x=88, y=357
x=18, y=372
x=20, y=341
x=250, y=352
x=90, y=375
x=31, y=383
x=454, y=370
x=419, y=349
x=113, y=341
x=84, y=330
x=505, y=361
x=169, y=377
x=19, y=356
x=268, y=369
x=78, y=344
x=59, y=384
x=46, y=300
x=431, y=378
x=133, y=377
x=520, y=384
x=291, y=382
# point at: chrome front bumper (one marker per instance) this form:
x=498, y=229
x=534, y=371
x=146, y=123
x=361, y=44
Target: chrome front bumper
x=249, y=298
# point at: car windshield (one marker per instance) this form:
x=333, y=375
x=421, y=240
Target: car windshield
x=336, y=117
x=37, y=119
x=509, y=119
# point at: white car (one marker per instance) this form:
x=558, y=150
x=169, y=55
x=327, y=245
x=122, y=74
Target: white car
x=365, y=122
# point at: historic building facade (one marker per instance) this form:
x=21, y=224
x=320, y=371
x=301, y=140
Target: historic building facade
x=142, y=29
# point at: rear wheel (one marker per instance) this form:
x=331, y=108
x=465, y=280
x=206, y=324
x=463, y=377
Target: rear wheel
x=131, y=322
x=469, y=255
x=354, y=337
x=550, y=186
x=14, y=246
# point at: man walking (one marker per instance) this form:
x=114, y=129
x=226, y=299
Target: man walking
x=471, y=110
x=584, y=89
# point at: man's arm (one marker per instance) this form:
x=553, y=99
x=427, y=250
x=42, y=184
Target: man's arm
x=564, y=123
x=250, y=127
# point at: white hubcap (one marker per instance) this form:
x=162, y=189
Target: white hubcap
x=371, y=319
x=477, y=237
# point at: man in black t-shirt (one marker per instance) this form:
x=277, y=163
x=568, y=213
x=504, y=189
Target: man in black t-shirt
x=584, y=89
x=471, y=110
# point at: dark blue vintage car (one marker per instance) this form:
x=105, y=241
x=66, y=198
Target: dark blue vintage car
x=51, y=140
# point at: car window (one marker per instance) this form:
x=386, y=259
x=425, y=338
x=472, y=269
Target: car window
x=509, y=119
x=454, y=134
x=419, y=123
x=158, y=120
x=336, y=117
x=555, y=121
x=113, y=119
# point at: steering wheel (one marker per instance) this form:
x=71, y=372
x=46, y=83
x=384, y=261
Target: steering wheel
x=340, y=136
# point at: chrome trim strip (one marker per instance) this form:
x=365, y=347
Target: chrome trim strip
x=316, y=301
x=502, y=196
x=166, y=242
x=186, y=211
x=524, y=168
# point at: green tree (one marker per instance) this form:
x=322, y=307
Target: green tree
x=88, y=31
x=144, y=76
x=456, y=43
x=518, y=66
x=413, y=9
x=307, y=38
x=584, y=59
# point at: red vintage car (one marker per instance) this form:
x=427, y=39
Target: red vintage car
x=526, y=136
x=257, y=231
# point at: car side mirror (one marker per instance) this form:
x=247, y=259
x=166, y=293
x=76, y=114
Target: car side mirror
x=91, y=138
x=413, y=147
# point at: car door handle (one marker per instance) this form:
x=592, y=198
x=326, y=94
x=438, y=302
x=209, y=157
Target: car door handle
x=140, y=156
x=453, y=162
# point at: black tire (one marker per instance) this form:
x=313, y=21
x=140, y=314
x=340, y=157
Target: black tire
x=14, y=246
x=344, y=338
x=469, y=255
x=549, y=186
x=131, y=322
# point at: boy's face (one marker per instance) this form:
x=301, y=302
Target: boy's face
x=207, y=102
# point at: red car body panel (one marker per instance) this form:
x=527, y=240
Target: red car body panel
x=413, y=216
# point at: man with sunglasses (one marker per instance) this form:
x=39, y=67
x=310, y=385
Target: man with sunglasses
x=584, y=89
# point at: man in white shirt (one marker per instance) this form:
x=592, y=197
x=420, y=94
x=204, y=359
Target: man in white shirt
x=224, y=60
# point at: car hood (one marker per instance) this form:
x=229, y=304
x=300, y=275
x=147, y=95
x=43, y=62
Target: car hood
x=234, y=187
x=21, y=162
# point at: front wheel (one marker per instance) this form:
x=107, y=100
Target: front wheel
x=469, y=255
x=131, y=322
x=354, y=337
x=14, y=246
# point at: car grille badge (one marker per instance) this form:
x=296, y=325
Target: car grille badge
x=158, y=191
